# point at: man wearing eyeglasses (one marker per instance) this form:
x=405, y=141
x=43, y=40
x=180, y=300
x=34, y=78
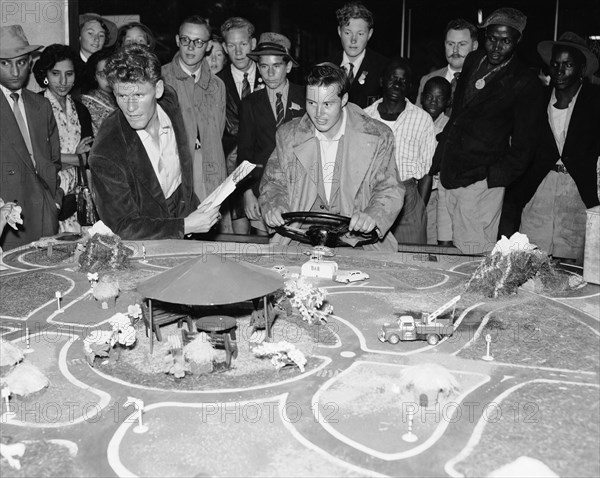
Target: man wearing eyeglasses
x=202, y=103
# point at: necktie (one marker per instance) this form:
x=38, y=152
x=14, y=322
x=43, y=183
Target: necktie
x=279, y=109
x=454, y=81
x=245, y=86
x=350, y=72
x=22, y=127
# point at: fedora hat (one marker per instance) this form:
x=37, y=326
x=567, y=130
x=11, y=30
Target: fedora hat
x=110, y=26
x=13, y=42
x=271, y=43
x=572, y=40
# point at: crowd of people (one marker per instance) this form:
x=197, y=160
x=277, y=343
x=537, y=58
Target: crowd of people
x=485, y=150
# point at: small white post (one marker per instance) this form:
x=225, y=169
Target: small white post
x=28, y=349
x=409, y=436
x=58, y=296
x=139, y=409
x=488, y=357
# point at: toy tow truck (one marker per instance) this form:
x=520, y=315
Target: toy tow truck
x=428, y=327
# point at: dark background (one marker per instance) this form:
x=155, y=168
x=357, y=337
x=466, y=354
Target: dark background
x=311, y=25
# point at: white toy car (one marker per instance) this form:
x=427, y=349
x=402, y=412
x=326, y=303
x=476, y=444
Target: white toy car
x=281, y=270
x=351, y=276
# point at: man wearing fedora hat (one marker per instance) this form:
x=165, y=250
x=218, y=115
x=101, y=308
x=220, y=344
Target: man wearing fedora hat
x=562, y=181
x=491, y=135
x=263, y=112
x=29, y=144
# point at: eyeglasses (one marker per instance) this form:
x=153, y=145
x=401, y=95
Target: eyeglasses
x=198, y=43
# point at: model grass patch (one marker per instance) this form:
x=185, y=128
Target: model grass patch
x=58, y=254
x=138, y=366
x=556, y=423
x=537, y=332
x=23, y=293
x=224, y=439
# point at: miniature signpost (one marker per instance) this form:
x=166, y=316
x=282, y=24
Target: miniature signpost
x=409, y=436
x=139, y=410
x=58, y=296
x=144, y=254
x=9, y=414
x=487, y=356
x=28, y=350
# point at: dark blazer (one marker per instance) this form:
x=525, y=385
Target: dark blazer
x=232, y=108
x=256, y=138
x=493, y=133
x=126, y=190
x=580, y=156
x=35, y=190
x=373, y=66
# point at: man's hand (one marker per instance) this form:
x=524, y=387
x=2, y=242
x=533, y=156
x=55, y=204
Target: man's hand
x=273, y=217
x=251, y=206
x=361, y=222
x=201, y=221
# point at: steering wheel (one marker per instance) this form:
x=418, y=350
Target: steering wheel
x=324, y=229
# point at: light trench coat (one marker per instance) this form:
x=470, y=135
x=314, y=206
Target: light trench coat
x=368, y=175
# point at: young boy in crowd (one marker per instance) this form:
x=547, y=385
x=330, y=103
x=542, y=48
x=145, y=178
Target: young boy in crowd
x=435, y=100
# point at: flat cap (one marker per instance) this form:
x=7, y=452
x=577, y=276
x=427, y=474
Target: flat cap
x=510, y=17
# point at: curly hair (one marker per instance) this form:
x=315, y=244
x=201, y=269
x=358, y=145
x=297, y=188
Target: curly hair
x=327, y=74
x=122, y=33
x=237, y=22
x=52, y=55
x=354, y=10
x=133, y=64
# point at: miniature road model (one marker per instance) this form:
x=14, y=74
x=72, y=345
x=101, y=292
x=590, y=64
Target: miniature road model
x=426, y=327
x=351, y=276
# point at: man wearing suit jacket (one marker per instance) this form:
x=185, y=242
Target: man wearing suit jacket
x=460, y=40
x=241, y=78
x=364, y=66
x=492, y=133
x=141, y=163
x=29, y=145
x=263, y=112
x=562, y=181
x=335, y=159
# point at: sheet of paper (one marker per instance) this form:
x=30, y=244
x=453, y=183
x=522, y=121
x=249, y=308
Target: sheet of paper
x=219, y=195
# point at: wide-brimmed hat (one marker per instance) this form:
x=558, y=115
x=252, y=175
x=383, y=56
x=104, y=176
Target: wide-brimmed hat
x=13, y=42
x=271, y=43
x=572, y=40
x=111, y=26
x=510, y=17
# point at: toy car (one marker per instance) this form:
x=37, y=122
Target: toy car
x=280, y=269
x=351, y=276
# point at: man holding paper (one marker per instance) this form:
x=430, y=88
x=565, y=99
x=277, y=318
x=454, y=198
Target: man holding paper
x=140, y=162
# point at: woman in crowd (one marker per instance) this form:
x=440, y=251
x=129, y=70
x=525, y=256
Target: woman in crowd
x=55, y=71
x=217, y=58
x=95, y=33
x=99, y=98
x=135, y=33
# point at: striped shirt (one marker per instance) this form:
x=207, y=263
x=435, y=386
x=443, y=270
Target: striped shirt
x=414, y=138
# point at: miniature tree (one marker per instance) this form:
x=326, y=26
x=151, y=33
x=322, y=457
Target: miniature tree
x=281, y=353
x=100, y=343
x=309, y=300
x=106, y=292
x=104, y=252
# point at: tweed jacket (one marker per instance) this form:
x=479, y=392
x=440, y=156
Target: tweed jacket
x=493, y=134
x=36, y=190
x=202, y=106
x=366, y=87
x=256, y=138
x=234, y=103
x=368, y=175
x=126, y=190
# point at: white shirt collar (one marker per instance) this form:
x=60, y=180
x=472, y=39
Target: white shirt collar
x=357, y=61
x=190, y=72
x=8, y=92
x=238, y=75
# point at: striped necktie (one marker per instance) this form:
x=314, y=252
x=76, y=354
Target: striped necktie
x=279, y=109
x=350, y=73
x=245, y=86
